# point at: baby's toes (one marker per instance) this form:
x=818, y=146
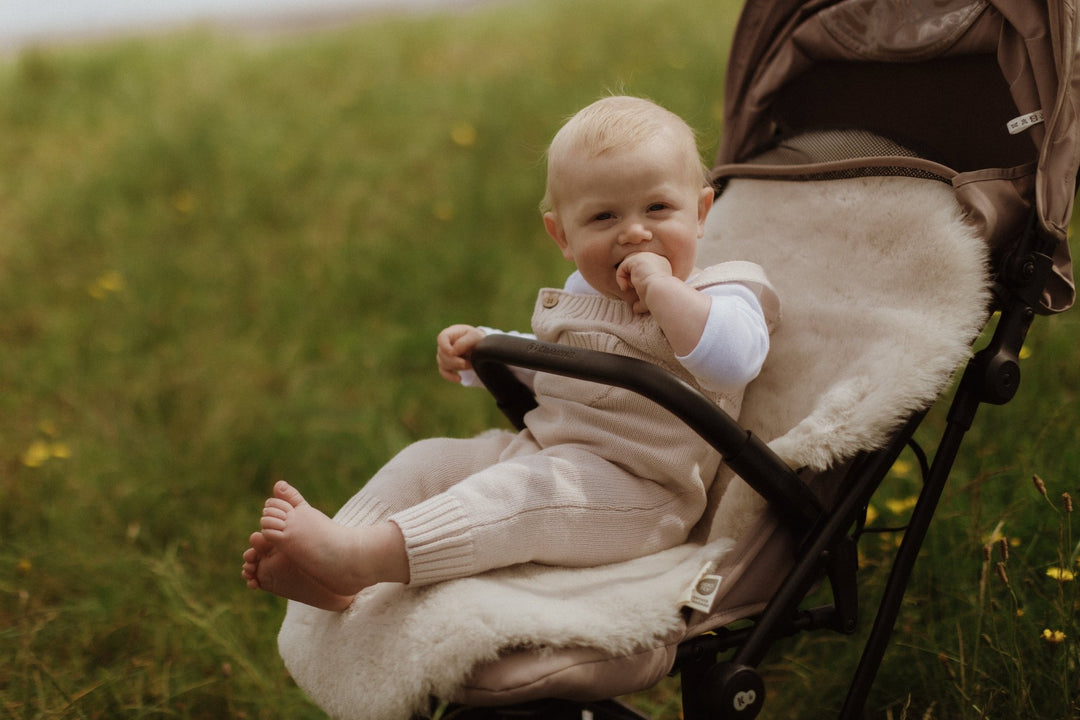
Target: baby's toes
x=287, y=493
x=260, y=544
x=273, y=521
x=277, y=509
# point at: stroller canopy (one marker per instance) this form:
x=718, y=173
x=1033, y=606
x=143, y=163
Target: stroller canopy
x=998, y=81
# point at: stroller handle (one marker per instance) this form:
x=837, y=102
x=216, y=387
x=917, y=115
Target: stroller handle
x=742, y=451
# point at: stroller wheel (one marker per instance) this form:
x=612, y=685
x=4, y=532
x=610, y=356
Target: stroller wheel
x=735, y=692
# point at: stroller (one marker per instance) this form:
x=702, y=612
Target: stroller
x=902, y=171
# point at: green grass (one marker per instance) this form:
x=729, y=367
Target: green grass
x=224, y=262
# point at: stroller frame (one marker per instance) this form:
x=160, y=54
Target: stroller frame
x=826, y=539
x=816, y=91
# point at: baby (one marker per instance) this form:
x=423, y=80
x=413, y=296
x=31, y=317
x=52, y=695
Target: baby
x=600, y=474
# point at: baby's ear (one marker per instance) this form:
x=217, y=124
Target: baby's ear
x=555, y=229
x=705, y=201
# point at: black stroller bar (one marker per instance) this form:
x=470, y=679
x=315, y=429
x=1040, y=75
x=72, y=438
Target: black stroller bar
x=742, y=451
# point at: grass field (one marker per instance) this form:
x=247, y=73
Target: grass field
x=224, y=261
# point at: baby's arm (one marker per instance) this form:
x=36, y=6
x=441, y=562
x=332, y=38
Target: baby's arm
x=680, y=310
x=735, y=341
x=719, y=334
x=455, y=344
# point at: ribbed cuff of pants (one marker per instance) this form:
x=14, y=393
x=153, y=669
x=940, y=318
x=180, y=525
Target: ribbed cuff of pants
x=437, y=540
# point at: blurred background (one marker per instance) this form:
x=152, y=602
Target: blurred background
x=227, y=242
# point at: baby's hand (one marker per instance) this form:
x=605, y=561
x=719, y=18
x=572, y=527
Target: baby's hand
x=455, y=344
x=637, y=271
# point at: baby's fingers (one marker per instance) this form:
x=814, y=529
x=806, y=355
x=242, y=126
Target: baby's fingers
x=449, y=375
x=454, y=345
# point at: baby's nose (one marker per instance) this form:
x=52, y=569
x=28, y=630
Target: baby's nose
x=634, y=233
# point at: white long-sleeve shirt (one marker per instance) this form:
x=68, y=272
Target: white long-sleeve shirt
x=729, y=353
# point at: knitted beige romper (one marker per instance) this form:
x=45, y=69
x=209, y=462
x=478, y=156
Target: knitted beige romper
x=599, y=475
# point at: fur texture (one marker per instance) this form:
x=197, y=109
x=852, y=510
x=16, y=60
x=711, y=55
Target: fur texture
x=397, y=646
x=882, y=285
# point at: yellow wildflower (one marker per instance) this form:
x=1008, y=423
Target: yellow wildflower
x=42, y=450
x=185, y=202
x=1060, y=574
x=106, y=283
x=463, y=134
x=899, y=505
x=1054, y=637
x=902, y=468
x=36, y=455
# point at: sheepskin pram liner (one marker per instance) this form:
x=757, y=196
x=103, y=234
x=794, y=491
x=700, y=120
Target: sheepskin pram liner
x=883, y=289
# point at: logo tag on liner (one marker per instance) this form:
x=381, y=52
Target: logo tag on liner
x=701, y=594
x=1019, y=124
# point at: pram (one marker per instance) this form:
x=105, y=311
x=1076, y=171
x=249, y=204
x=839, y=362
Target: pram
x=902, y=171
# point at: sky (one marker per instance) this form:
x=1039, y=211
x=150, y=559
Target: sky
x=24, y=22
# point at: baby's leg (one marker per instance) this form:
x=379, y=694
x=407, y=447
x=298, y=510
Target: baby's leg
x=420, y=471
x=267, y=569
x=566, y=506
x=344, y=560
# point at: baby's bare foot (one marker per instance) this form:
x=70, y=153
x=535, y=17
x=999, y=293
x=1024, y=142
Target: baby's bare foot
x=344, y=560
x=267, y=569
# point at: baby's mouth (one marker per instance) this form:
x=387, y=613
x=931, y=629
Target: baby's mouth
x=624, y=258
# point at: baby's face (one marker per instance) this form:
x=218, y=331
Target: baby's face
x=642, y=199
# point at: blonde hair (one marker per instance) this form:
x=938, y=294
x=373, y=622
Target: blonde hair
x=616, y=122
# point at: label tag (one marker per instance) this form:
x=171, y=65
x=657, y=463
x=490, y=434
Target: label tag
x=1019, y=124
x=701, y=594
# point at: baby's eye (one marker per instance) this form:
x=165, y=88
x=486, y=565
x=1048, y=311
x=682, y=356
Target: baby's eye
x=658, y=206
x=601, y=217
